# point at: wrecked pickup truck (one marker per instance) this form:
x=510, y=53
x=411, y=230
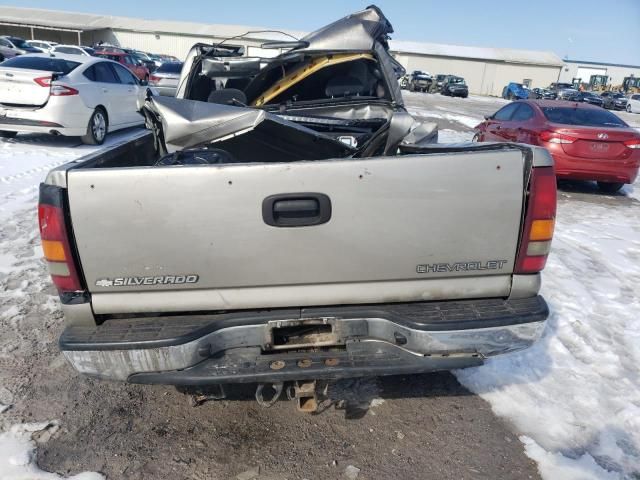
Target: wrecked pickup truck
x=287, y=220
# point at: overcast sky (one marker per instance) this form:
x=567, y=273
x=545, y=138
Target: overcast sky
x=596, y=30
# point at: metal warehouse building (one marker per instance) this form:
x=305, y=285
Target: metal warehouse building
x=583, y=70
x=487, y=70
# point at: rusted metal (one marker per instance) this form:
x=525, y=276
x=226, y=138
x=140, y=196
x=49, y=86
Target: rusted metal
x=305, y=396
x=277, y=365
x=304, y=363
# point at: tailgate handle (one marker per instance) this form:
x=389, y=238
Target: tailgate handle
x=296, y=209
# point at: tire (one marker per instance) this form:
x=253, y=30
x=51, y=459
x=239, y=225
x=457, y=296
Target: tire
x=476, y=138
x=96, y=128
x=6, y=134
x=610, y=187
x=628, y=108
x=412, y=88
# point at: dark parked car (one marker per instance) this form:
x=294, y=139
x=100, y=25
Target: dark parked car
x=569, y=94
x=556, y=88
x=150, y=64
x=542, y=93
x=419, y=81
x=455, y=87
x=515, y=91
x=589, y=97
x=586, y=142
x=614, y=100
x=438, y=81
x=166, y=78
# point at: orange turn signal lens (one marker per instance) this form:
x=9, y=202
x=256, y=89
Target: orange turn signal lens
x=541, y=230
x=53, y=250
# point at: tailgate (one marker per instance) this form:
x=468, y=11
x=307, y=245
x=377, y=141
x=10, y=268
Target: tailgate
x=19, y=86
x=418, y=227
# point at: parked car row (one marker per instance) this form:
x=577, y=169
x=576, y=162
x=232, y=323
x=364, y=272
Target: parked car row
x=586, y=142
x=419, y=81
x=566, y=91
x=77, y=90
x=74, y=95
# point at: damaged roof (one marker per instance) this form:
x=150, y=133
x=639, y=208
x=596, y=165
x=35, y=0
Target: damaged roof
x=87, y=22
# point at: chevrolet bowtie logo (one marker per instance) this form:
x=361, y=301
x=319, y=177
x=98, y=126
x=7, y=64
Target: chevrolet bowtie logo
x=105, y=282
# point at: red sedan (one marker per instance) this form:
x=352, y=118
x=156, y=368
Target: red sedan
x=136, y=66
x=586, y=142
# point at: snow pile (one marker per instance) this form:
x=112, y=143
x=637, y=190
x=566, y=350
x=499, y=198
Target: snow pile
x=575, y=395
x=24, y=163
x=17, y=454
x=453, y=136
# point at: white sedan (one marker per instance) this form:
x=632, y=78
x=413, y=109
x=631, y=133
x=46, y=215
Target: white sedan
x=73, y=50
x=68, y=95
x=633, y=104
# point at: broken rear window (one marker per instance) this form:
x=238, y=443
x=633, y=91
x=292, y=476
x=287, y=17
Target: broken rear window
x=321, y=78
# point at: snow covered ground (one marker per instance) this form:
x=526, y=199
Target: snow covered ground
x=575, y=396
x=24, y=162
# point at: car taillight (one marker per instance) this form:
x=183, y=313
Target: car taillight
x=62, y=91
x=633, y=143
x=56, y=241
x=555, y=137
x=43, y=81
x=154, y=79
x=539, y=221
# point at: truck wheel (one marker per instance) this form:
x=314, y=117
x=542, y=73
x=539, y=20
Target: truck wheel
x=610, y=187
x=6, y=134
x=97, y=128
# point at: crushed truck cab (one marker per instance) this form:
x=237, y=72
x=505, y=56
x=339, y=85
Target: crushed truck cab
x=287, y=220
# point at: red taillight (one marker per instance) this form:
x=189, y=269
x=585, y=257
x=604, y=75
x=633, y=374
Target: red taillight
x=154, y=79
x=57, y=249
x=633, y=143
x=555, y=137
x=62, y=91
x=538, y=222
x=43, y=81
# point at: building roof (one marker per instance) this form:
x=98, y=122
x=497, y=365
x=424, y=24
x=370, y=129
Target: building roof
x=507, y=55
x=601, y=64
x=86, y=22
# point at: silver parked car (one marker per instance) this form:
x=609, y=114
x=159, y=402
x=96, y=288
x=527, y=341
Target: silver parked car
x=166, y=78
x=12, y=46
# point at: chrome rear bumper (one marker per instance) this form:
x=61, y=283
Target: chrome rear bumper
x=242, y=347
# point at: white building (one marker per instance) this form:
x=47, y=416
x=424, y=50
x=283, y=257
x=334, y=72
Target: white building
x=576, y=69
x=486, y=70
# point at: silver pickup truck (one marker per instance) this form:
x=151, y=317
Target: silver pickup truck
x=287, y=220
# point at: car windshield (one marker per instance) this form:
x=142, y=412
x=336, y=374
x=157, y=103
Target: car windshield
x=518, y=85
x=457, y=80
x=19, y=42
x=46, y=64
x=170, y=67
x=586, y=117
